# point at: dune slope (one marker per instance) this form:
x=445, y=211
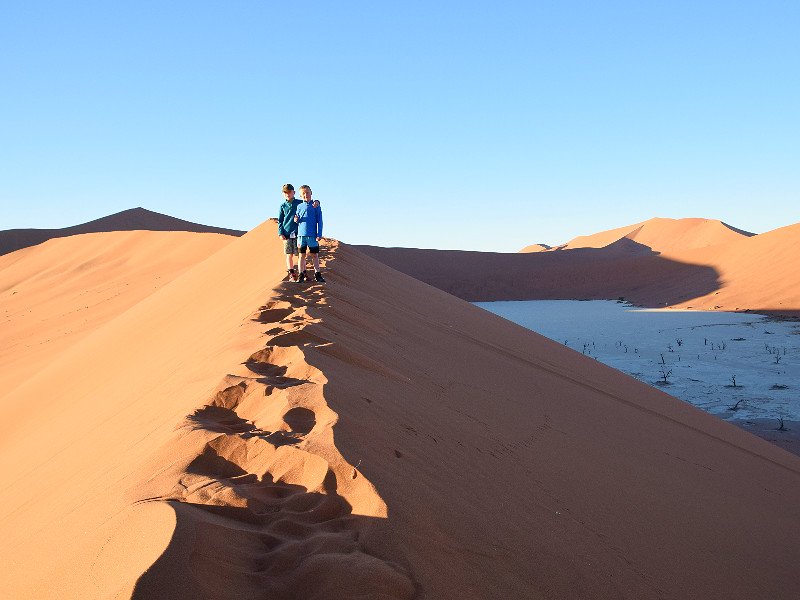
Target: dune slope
x=53, y=294
x=233, y=436
x=758, y=273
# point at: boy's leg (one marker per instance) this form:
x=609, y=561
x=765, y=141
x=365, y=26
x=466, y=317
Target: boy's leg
x=303, y=248
x=290, y=248
x=315, y=259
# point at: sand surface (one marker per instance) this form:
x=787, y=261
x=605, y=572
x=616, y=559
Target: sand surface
x=745, y=273
x=232, y=436
x=693, y=355
x=53, y=294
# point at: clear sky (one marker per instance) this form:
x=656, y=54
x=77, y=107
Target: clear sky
x=443, y=124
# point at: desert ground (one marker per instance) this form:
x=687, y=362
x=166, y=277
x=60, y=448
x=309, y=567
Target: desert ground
x=180, y=422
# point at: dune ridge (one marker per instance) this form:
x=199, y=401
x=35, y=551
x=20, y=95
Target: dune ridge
x=132, y=219
x=272, y=499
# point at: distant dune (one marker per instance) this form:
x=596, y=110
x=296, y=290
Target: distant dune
x=536, y=248
x=758, y=273
x=127, y=220
x=664, y=236
x=233, y=436
x=694, y=263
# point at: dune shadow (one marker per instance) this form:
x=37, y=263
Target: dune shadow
x=625, y=269
x=284, y=542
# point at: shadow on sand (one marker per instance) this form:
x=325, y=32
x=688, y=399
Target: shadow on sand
x=624, y=269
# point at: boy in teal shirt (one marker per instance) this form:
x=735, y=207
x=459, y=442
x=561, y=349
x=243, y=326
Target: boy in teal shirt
x=287, y=228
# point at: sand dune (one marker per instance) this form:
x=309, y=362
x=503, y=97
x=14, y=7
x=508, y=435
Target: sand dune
x=53, y=294
x=756, y=273
x=132, y=219
x=622, y=269
x=536, y=248
x=664, y=236
x=232, y=436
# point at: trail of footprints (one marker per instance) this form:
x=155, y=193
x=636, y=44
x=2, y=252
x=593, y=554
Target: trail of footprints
x=264, y=486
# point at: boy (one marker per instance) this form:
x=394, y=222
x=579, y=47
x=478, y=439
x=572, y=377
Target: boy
x=309, y=232
x=287, y=228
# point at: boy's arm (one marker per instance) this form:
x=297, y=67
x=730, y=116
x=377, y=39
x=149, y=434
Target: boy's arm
x=319, y=223
x=281, y=231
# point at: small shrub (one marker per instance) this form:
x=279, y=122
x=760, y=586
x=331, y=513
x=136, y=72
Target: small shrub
x=736, y=406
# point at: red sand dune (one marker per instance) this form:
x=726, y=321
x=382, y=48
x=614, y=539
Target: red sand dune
x=757, y=273
x=663, y=235
x=132, y=219
x=231, y=436
x=536, y=248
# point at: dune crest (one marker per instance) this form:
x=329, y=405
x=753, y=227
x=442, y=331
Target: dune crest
x=274, y=505
x=132, y=219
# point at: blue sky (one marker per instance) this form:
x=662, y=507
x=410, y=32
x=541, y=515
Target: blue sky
x=446, y=125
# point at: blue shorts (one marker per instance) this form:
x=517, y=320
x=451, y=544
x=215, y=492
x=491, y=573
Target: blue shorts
x=306, y=242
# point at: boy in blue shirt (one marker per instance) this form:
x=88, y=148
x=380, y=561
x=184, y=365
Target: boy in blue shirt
x=309, y=232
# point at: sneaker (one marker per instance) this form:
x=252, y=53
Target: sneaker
x=291, y=275
x=302, y=277
x=318, y=277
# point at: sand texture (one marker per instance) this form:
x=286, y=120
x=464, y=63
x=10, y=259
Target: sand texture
x=234, y=436
x=756, y=273
x=53, y=294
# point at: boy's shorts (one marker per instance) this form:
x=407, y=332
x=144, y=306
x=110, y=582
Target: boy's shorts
x=290, y=245
x=306, y=242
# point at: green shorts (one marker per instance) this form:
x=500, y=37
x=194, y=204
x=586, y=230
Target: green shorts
x=306, y=242
x=290, y=245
